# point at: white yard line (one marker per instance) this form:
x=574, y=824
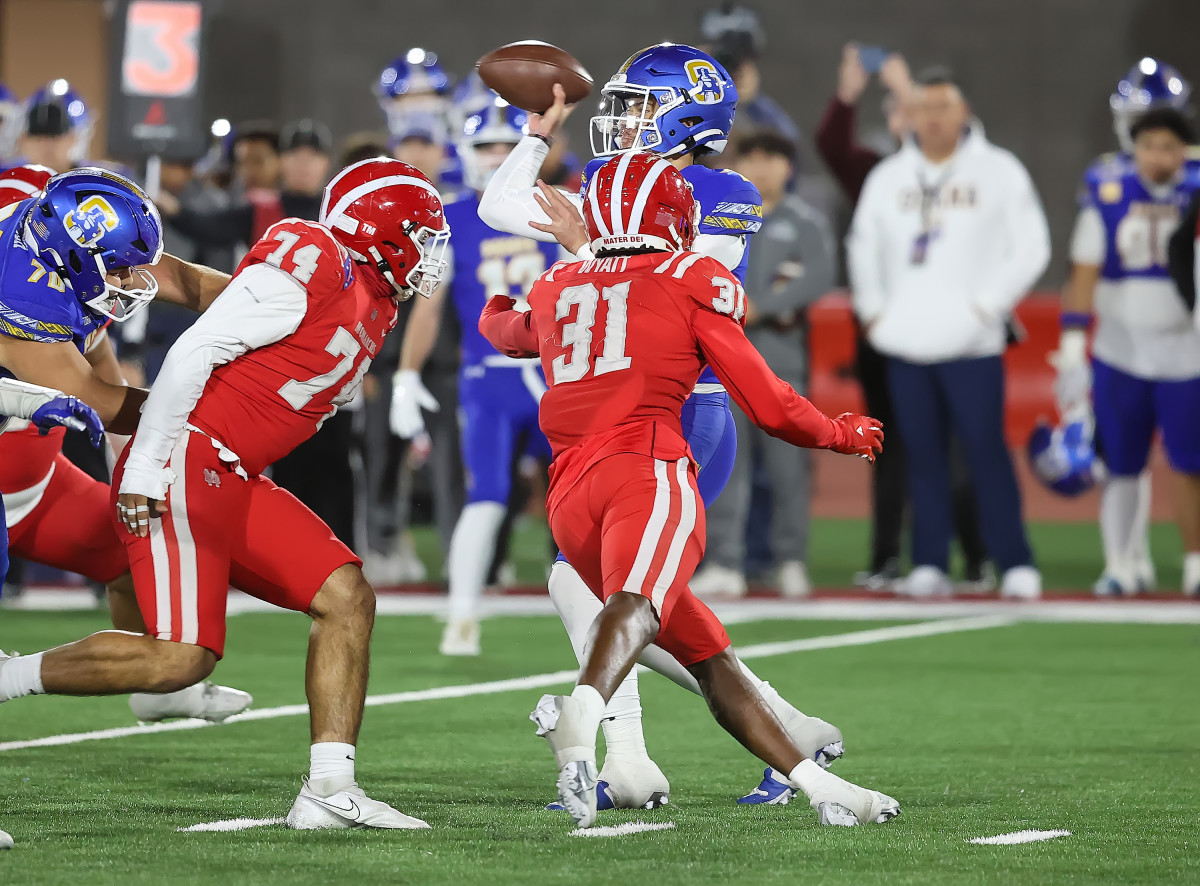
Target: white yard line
x=534, y=681
x=233, y=824
x=1019, y=837
x=624, y=830
x=1099, y=611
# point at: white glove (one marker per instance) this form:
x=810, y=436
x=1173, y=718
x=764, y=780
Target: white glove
x=1073, y=387
x=409, y=397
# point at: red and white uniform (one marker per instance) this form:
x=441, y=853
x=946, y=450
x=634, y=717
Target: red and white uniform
x=622, y=341
x=279, y=350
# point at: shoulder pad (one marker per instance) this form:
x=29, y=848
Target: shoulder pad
x=307, y=252
x=729, y=203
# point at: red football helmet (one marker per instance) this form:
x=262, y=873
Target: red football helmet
x=640, y=201
x=388, y=214
x=23, y=182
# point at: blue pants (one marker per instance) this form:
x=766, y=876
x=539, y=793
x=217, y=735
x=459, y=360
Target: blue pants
x=966, y=397
x=499, y=412
x=709, y=428
x=1130, y=409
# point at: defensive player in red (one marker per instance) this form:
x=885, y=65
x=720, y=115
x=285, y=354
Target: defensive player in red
x=53, y=332
x=622, y=338
x=284, y=345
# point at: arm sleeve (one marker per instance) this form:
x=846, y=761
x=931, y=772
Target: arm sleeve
x=221, y=227
x=767, y=400
x=805, y=274
x=864, y=254
x=1028, y=246
x=21, y=400
x=508, y=204
x=849, y=161
x=510, y=332
x=1087, y=240
x=260, y=306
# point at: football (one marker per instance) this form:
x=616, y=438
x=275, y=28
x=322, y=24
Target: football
x=524, y=74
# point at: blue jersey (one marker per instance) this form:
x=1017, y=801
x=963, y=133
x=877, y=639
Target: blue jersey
x=486, y=262
x=1137, y=223
x=729, y=205
x=35, y=303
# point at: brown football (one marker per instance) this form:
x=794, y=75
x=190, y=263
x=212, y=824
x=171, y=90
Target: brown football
x=524, y=74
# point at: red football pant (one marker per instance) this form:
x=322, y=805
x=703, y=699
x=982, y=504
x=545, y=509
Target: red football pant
x=71, y=527
x=635, y=523
x=222, y=529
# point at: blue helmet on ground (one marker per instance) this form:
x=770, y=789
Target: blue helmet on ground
x=91, y=223
x=496, y=123
x=414, y=81
x=670, y=99
x=1064, y=458
x=1149, y=84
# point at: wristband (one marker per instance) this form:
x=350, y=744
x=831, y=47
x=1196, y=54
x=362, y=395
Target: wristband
x=1075, y=320
x=544, y=138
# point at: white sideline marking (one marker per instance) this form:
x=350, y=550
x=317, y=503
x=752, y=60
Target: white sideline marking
x=624, y=830
x=234, y=824
x=1019, y=837
x=534, y=681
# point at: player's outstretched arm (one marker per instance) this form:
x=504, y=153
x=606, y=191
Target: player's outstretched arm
x=510, y=332
x=262, y=306
x=184, y=283
x=60, y=366
x=770, y=402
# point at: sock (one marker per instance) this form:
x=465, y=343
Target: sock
x=807, y=777
x=592, y=704
x=1191, y=572
x=1139, y=533
x=576, y=604
x=21, y=675
x=1118, y=517
x=622, y=721
x=331, y=767
x=472, y=547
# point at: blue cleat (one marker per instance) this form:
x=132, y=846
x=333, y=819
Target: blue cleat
x=771, y=791
x=604, y=800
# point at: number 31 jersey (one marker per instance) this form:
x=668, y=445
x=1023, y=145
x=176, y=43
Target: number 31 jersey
x=1124, y=226
x=270, y=399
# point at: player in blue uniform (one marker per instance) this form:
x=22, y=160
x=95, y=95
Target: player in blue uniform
x=679, y=103
x=497, y=396
x=1125, y=506
x=72, y=258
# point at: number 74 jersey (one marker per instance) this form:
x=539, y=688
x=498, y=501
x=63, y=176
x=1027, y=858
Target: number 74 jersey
x=272, y=398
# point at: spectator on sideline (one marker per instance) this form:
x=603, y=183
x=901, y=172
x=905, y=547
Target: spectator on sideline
x=792, y=261
x=850, y=161
x=736, y=40
x=948, y=236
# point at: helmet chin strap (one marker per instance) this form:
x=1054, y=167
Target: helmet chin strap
x=403, y=293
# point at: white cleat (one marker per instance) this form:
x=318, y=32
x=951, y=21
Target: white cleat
x=460, y=638
x=793, y=579
x=634, y=783
x=6, y=840
x=1191, y=575
x=1021, y=583
x=203, y=701
x=718, y=581
x=843, y=804
x=557, y=718
x=925, y=581
x=349, y=808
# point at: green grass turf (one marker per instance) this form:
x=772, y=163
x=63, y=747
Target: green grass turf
x=1091, y=728
x=1069, y=554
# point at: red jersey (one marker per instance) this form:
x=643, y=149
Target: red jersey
x=270, y=399
x=622, y=341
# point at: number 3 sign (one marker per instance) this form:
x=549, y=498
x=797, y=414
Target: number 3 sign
x=161, y=48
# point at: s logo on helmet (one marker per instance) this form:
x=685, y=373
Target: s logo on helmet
x=88, y=222
x=709, y=86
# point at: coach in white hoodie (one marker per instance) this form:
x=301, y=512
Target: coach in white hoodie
x=948, y=236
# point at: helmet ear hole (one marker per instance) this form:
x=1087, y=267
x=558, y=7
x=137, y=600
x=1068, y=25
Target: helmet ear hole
x=74, y=261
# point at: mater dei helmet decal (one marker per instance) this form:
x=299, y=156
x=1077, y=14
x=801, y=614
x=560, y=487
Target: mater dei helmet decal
x=709, y=85
x=88, y=223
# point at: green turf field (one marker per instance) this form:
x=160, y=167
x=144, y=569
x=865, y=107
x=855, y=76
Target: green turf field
x=1069, y=554
x=1087, y=728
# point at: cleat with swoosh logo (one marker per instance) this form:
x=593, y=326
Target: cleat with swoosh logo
x=349, y=808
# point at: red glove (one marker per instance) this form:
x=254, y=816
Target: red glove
x=858, y=435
